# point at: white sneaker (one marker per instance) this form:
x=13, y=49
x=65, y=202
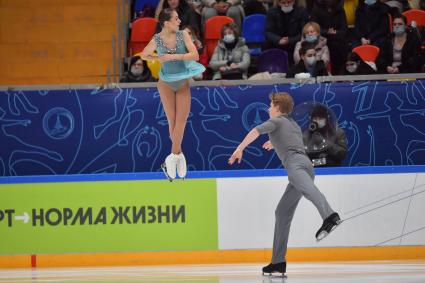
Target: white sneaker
x=181, y=165
x=171, y=165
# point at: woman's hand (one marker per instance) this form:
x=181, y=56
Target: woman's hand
x=268, y=146
x=168, y=57
x=237, y=155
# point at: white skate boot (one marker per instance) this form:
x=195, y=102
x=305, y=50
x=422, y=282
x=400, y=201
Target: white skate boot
x=170, y=166
x=181, y=166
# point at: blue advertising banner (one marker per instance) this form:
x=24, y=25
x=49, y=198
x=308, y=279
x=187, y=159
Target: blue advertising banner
x=125, y=129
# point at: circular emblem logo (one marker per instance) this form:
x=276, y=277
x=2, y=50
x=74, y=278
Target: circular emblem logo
x=254, y=114
x=58, y=123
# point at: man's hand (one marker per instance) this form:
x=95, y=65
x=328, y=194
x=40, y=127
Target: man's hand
x=365, y=41
x=237, y=155
x=268, y=146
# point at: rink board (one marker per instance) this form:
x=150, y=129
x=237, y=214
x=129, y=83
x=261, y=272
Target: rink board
x=219, y=216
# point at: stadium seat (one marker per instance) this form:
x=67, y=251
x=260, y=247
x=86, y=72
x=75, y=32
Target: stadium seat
x=253, y=30
x=273, y=61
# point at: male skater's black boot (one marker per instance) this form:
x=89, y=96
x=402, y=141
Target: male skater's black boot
x=274, y=268
x=329, y=224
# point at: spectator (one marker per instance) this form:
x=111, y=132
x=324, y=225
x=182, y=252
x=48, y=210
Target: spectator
x=330, y=15
x=284, y=24
x=356, y=66
x=255, y=7
x=138, y=72
x=371, y=23
x=230, y=8
x=308, y=63
x=311, y=34
x=203, y=56
x=187, y=15
x=231, y=57
x=402, y=52
x=324, y=141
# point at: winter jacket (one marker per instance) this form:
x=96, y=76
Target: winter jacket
x=222, y=56
x=322, y=51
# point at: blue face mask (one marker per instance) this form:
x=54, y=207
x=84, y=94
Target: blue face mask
x=398, y=30
x=369, y=2
x=311, y=38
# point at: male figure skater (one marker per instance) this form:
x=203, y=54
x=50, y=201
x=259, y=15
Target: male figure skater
x=285, y=137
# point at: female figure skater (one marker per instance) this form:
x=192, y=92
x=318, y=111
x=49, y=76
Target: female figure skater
x=177, y=54
x=286, y=138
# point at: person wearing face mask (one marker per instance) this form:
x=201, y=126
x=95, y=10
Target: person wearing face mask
x=325, y=143
x=311, y=34
x=231, y=58
x=402, y=52
x=284, y=23
x=330, y=15
x=371, y=23
x=308, y=62
x=356, y=66
x=138, y=72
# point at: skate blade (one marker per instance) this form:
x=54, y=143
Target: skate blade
x=275, y=275
x=324, y=234
x=164, y=169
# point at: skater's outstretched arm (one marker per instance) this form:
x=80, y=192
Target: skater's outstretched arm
x=249, y=138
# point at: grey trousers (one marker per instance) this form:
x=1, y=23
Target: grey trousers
x=234, y=12
x=301, y=183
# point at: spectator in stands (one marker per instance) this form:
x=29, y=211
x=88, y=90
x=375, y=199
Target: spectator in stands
x=356, y=66
x=402, y=52
x=231, y=57
x=311, y=34
x=203, y=57
x=138, y=72
x=330, y=15
x=371, y=23
x=308, y=63
x=230, y=8
x=284, y=24
x=187, y=15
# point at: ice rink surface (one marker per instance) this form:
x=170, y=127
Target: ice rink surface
x=351, y=272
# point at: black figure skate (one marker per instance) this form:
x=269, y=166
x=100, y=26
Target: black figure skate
x=329, y=224
x=275, y=270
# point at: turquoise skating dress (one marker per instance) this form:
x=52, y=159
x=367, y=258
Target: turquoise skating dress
x=174, y=73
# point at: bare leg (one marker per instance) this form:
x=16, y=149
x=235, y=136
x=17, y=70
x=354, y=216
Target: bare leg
x=168, y=100
x=177, y=108
x=181, y=115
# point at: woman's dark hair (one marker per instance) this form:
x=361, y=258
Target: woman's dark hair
x=183, y=5
x=400, y=16
x=165, y=15
x=136, y=58
x=232, y=26
x=305, y=46
x=354, y=57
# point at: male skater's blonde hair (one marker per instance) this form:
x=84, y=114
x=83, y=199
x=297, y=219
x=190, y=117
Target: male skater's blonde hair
x=283, y=100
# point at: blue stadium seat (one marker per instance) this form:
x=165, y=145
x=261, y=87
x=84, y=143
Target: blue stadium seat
x=253, y=30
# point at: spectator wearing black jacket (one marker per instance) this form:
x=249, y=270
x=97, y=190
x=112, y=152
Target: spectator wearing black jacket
x=330, y=15
x=308, y=63
x=402, y=52
x=356, y=66
x=371, y=23
x=138, y=72
x=187, y=15
x=284, y=24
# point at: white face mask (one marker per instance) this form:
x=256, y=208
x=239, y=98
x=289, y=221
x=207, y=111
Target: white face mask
x=311, y=61
x=287, y=9
x=136, y=71
x=351, y=68
x=229, y=38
